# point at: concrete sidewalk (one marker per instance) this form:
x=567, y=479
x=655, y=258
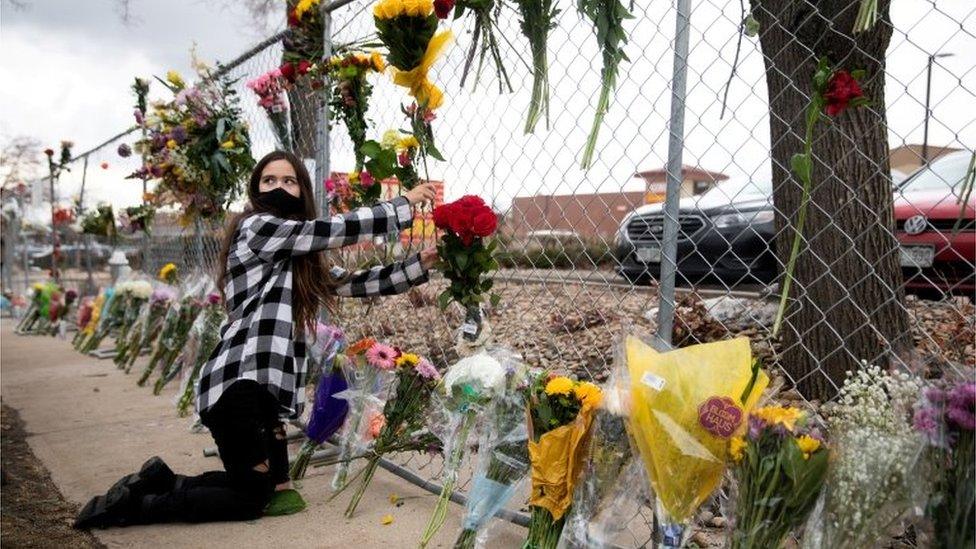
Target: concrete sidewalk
x=90, y=424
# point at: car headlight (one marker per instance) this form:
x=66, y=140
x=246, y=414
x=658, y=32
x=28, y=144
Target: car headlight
x=740, y=219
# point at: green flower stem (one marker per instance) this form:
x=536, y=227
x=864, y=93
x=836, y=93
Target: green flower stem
x=368, y=473
x=450, y=478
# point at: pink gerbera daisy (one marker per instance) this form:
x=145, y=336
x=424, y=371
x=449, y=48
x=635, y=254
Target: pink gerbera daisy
x=427, y=370
x=382, y=356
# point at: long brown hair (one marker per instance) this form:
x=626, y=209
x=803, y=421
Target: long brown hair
x=314, y=285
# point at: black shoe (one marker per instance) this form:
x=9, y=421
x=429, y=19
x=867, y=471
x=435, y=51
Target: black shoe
x=154, y=477
x=118, y=508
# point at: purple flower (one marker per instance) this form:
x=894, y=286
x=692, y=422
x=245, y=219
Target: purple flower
x=926, y=421
x=125, y=150
x=162, y=294
x=962, y=406
x=139, y=117
x=756, y=427
x=935, y=395
x=427, y=370
x=179, y=134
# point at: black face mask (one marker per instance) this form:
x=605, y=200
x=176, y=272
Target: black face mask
x=279, y=202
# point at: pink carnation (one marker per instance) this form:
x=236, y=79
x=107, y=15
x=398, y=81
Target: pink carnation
x=366, y=179
x=427, y=370
x=382, y=356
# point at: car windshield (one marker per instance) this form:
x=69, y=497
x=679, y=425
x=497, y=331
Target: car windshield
x=942, y=175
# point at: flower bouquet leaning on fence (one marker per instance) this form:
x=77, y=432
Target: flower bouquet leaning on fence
x=85, y=309
x=350, y=99
x=98, y=307
x=136, y=219
x=778, y=471
x=173, y=333
x=609, y=489
x=111, y=318
x=40, y=294
x=503, y=455
x=559, y=419
x=875, y=477
x=947, y=418
x=368, y=365
x=401, y=426
x=99, y=222
x=685, y=406
x=470, y=387
x=203, y=339
x=137, y=293
x=61, y=307
x=328, y=412
x=147, y=326
x=467, y=257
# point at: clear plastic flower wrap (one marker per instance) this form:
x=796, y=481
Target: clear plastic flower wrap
x=503, y=456
x=368, y=367
x=328, y=412
x=606, y=489
x=149, y=323
x=876, y=476
x=98, y=308
x=685, y=406
x=111, y=317
x=175, y=330
x=204, y=338
x=470, y=388
x=400, y=427
x=137, y=290
x=85, y=310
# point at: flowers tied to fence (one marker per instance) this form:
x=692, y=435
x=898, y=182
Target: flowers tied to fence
x=467, y=257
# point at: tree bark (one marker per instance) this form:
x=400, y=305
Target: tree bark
x=846, y=302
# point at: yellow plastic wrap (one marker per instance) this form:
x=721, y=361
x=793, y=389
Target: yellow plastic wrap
x=557, y=459
x=685, y=406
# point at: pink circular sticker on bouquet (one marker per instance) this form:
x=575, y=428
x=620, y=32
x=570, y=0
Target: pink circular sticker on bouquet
x=720, y=416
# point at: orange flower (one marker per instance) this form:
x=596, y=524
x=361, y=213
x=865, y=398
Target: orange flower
x=360, y=346
x=376, y=424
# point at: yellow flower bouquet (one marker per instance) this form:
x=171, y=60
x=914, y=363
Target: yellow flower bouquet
x=560, y=415
x=685, y=407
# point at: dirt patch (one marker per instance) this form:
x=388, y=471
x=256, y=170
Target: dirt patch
x=33, y=513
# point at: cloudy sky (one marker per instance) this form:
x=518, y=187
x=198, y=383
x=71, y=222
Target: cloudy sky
x=67, y=66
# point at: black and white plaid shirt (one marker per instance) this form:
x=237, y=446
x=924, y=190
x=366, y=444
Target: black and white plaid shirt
x=257, y=341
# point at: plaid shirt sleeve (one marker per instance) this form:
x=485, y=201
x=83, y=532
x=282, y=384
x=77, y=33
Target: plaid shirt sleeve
x=395, y=278
x=273, y=238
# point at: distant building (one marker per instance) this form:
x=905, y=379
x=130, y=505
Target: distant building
x=908, y=158
x=694, y=181
x=598, y=214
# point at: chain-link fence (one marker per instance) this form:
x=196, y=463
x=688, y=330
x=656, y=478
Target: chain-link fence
x=885, y=266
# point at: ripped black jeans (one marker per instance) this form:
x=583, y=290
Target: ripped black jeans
x=251, y=442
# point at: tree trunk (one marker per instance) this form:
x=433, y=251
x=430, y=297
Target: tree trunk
x=846, y=302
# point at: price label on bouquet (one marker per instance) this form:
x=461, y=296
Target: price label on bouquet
x=469, y=328
x=653, y=381
x=720, y=416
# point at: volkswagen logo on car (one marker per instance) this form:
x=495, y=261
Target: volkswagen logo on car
x=916, y=225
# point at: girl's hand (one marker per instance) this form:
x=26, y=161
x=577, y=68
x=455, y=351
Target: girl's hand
x=421, y=194
x=428, y=258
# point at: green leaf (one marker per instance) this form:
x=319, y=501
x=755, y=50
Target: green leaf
x=750, y=26
x=371, y=149
x=858, y=74
x=444, y=299
x=462, y=261
x=802, y=166
x=495, y=300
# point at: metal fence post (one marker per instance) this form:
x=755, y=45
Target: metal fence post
x=322, y=160
x=669, y=246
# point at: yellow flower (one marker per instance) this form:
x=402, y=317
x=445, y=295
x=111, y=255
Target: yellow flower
x=38, y=286
x=168, y=270
x=304, y=6
x=737, y=447
x=171, y=144
x=779, y=415
x=387, y=9
x=807, y=444
x=390, y=139
x=589, y=394
x=175, y=79
x=229, y=144
x=407, y=360
x=559, y=386
x=407, y=142
x=379, y=64
x=353, y=177
x=418, y=8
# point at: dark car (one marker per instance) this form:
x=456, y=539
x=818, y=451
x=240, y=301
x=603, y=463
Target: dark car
x=936, y=226
x=725, y=233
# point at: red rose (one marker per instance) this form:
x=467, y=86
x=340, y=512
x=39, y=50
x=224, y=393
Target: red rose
x=293, y=20
x=443, y=8
x=288, y=71
x=442, y=216
x=484, y=223
x=842, y=88
x=49, y=152
x=303, y=66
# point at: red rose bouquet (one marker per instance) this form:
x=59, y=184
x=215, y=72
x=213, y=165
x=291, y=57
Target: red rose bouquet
x=467, y=256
